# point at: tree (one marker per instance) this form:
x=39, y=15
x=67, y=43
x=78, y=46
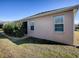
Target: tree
x=14, y=29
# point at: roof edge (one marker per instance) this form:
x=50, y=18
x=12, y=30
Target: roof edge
x=51, y=12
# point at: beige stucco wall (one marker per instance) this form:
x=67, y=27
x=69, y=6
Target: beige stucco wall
x=44, y=28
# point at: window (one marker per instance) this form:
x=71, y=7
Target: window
x=58, y=23
x=32, y=25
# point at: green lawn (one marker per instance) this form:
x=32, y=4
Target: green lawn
x=33, y=47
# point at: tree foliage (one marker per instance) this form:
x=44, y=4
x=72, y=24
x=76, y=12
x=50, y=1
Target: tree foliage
x=15, y=29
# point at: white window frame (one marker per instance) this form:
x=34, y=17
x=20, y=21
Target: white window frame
x=59, y=23
x=32, y=23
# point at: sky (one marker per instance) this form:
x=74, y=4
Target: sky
x=12, y=10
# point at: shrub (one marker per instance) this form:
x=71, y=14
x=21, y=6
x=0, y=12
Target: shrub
x=14, y=29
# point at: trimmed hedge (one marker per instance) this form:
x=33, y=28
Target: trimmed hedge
x=14, y=29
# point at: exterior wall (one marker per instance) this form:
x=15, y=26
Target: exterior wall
x=44, y=28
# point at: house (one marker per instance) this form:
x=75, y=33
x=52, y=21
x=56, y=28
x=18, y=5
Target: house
x=55, y=25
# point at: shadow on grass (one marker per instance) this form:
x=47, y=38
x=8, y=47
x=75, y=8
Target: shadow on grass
x=2, y=36
x=32, y=40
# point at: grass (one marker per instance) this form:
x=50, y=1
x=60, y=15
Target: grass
x=76, y=37
x=1, y=30
x=33, y=47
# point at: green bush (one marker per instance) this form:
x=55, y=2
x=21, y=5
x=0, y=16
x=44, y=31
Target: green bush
x=14, y=29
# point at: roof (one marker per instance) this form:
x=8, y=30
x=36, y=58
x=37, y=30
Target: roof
x=51, y=12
